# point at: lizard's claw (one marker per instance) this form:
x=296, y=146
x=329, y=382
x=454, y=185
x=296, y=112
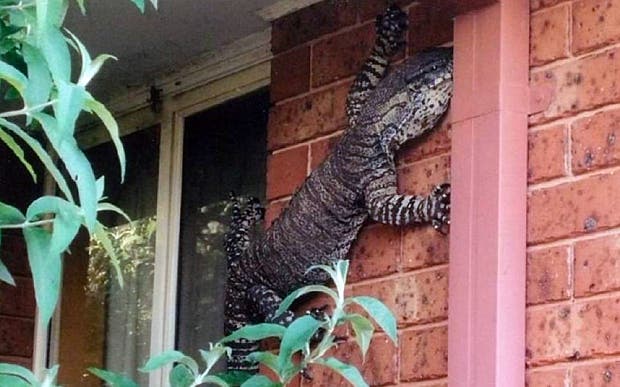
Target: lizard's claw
x=391, y=27
x=440, y=202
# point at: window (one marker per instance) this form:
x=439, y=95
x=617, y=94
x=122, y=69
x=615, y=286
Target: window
x=224, y=150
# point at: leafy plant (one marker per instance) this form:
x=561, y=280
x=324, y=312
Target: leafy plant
x=36, y=73
x=41, y=99
x=294, y=339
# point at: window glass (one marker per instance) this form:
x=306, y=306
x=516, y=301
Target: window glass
x=224, y=151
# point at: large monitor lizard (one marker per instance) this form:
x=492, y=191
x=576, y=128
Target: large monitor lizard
x=357, y=181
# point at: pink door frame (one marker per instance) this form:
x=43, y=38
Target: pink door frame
x=486, y=323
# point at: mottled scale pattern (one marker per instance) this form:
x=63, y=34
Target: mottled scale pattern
x=357, y=181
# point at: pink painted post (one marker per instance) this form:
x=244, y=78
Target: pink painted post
x=489, y=160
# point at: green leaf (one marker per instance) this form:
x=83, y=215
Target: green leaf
x=70, y=101
x=296, y=337
x=112, y=127
x=260, y=381
x=288, y=301
x=102, y=236
x=46, y=271
x=112, y=378
x=18, y=371
x=267, y=358
x=256, y=332
x=50, y=13
x=111, y=207
x=378, y=312
x=214, y=380
x=139, y=4
x=50, y=376
x=363, y=329
x=161, y=360
x=349, y=372
x=80, y=3
x=234, y=378
x=17, y=151
x=14, y=77
x=181, y=376
x=10, y=215
x=77, y=165
x=54, y=48
x=67, y=220
x=40, y=81
x=89, y=67
x=43, y=156
x=13, y=381
x=5, y=275
x=211, y=356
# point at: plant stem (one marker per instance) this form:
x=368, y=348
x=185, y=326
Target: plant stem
x=27, y=224
x=27, y=110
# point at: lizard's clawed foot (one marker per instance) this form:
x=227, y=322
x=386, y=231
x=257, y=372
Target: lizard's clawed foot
x=440, y=202
x=391, y=27
x=320, y=315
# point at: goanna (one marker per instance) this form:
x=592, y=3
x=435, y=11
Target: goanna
x=357, y=181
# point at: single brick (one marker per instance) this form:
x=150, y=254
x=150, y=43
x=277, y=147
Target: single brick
x=430, y=24
x=306, y=117
x=546, y=150
x=597, y=265
x=549, y=35
x=420, y=178
x=341, y=55
x=605, y=374
x=435, y=142
x=574, y=208
x=319, y=150
x=273, y=211
x=547, y=378
x=18, y=300
x=310, y=23
x=286, y=170
x=594, y=142
x=596, y=327
x=548, y=334
x=423, y=297
x=375, y=253
x=538, y=4
x=423, y=246
x=424, y=354
x=380, y=367
x=548, y=275
x=290, y=73
x=16, y=336
x=596, y=23
x=578, y=85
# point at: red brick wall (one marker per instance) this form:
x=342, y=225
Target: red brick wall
x=17, y=305
x=318, y=51
x=573, y=262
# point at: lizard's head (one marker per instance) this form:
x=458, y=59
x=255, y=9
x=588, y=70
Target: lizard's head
x=414, y=97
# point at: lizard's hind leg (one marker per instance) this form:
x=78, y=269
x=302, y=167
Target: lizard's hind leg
x=237, y=316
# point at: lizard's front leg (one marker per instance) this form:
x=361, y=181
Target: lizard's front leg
x=266, y=302
x=237, y=316
x=386, y=206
